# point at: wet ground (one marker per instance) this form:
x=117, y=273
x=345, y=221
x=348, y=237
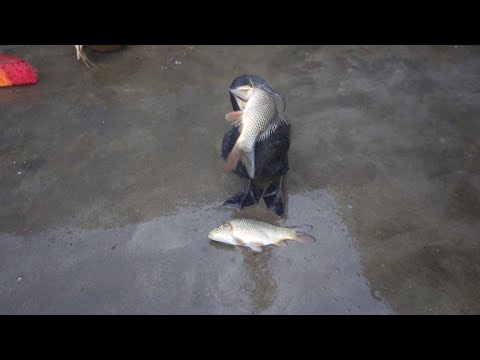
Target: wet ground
x=111, y=178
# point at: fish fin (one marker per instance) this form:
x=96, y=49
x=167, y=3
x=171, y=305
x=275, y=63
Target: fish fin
x=282, y=243
x=304, y=228
x=300, y=234
x=248, y=159
x=255, y=248
x=272, y=127
x=239, y=241
x=233, y=158
x=304, y=238
x=235, y=117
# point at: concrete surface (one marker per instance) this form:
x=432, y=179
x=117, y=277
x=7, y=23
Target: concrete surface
x=111, y=178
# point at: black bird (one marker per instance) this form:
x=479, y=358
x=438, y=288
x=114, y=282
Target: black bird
x=271, y=156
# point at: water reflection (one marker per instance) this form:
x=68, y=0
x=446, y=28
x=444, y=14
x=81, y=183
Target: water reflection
x=168, y=265
x=258, y=281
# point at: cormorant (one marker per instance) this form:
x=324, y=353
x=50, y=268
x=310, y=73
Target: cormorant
x=271, y=156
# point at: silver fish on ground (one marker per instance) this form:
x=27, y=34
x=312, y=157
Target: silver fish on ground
x=255, y=234
x=257, y=121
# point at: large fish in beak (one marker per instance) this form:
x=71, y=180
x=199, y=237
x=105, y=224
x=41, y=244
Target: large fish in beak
x=255, y=81
x=256, y=122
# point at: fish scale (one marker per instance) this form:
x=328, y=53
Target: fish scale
x=258, y=114
x=263, y=231
x=257, y=121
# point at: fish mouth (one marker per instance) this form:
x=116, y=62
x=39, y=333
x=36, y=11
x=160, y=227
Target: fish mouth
x=239, y=93
x=218, y=238
x=212, y=237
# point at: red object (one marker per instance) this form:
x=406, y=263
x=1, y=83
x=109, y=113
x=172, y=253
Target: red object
x=15, y=71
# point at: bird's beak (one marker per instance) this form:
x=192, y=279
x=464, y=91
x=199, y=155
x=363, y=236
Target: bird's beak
x=275, y=93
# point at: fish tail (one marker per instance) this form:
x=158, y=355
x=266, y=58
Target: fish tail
x=233, y=158
x=247, y=158
x=300, y=234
